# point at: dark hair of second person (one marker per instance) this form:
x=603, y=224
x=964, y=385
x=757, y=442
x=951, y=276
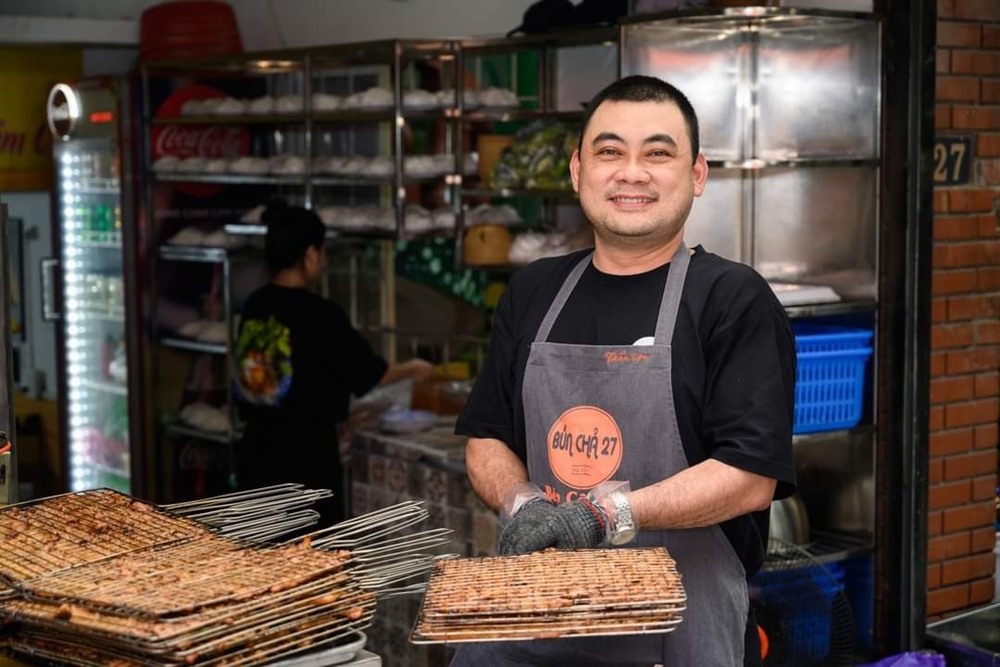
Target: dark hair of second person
x=291, y=230
x=639, y=88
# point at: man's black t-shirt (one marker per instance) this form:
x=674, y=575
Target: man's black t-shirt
x=298, y=360
x=733, y=360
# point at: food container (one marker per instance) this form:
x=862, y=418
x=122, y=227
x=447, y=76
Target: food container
x=486, y=245
x=490, y=147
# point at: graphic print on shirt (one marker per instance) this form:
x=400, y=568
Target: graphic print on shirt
x=585, y=447
x=264, y=362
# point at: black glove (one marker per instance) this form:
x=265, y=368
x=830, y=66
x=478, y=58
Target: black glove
x=576, y=525
x=521, y=535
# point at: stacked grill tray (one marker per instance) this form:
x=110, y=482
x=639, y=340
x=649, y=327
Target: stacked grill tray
x=551, y=594
x=102, y=579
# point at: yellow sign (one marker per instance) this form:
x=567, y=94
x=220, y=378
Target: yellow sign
x=26, y=75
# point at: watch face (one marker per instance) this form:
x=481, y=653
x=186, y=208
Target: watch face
x=623, y=536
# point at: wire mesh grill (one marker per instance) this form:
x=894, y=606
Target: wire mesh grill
x=610, y=592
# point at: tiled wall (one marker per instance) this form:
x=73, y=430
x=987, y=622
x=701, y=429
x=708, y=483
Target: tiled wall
x=384, y=472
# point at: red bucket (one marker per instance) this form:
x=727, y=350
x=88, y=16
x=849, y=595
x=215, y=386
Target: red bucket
x=186, y=29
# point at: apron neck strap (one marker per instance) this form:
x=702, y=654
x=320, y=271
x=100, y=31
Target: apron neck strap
x=669, y=304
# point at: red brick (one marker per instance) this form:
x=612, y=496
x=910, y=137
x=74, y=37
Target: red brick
x=981, y=591
x=952, y=390
x=988, y=144
x=960, y=255
x=976, y=515
x=942, y=116
x=935, y=420
x=938, y=364
x=945, y=9
x=987, y=279
x=952, y=33
x=948, y=336
x=986, y=436
x=987, y=172
x=968, y=466
x=940, y=200
x=987, y=385
x=944, y=443
x=984, y=411
x=935, y=471
x=984, y=488
x=933, y=576
x=951, y=228
x=966, y=569
x=957, y=89
x=939, y=497
x=947, y=599
x=991, y=35
x=975, y=118
x=935, y=522
x=971, y=200
x=988, y=333
x=978, y=307
x=989, y=94
x=939, y=310
x=975, y=62
x=989, y=227
x=982, y=540
x=942, y=61
x=972, y=361
x=977, y=10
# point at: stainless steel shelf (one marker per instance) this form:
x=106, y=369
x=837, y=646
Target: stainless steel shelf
x=194, y=346
x=184, y=431
x=512, y=192
x=106, y=387
x=193, y=254
x=839, y=308
x=824, y=547
x=230, y=179
x=826, y=436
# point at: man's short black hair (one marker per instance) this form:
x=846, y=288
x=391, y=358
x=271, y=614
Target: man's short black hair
x=639, y=88
x=291, y=230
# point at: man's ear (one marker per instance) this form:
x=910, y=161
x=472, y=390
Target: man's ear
x=699, y=173
x=574, y=170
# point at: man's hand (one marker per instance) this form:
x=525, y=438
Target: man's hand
x=521, y=534
x=540, y=525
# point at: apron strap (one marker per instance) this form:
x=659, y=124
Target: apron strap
x=671, y=301
x=557, y=305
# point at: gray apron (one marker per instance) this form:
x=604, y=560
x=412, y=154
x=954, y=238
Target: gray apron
x=607, y=413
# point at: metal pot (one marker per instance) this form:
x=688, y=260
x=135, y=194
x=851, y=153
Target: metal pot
x=790, y=521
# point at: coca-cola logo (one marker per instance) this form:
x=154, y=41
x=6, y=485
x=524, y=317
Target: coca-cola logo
x=215, y=141
x=208, y=141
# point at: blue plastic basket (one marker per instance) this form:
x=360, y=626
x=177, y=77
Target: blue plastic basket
x=829, y=382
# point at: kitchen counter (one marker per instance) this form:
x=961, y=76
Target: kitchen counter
x=385, y=469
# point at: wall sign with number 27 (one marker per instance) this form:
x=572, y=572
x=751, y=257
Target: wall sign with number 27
x=952, y=159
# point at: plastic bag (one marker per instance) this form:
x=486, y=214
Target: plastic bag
x=914, y=659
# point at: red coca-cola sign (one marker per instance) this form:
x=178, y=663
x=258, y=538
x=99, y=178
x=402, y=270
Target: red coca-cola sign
x=208, y=141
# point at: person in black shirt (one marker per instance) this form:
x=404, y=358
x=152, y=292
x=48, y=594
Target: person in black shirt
x=298, y=361
x=639, y=362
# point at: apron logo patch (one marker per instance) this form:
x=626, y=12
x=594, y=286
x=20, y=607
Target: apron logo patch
x=624, y=357
x=584, y=447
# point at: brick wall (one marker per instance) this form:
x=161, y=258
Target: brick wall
x=965, y=334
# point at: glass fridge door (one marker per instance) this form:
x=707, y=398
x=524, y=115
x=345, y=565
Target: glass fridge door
x=94, y=312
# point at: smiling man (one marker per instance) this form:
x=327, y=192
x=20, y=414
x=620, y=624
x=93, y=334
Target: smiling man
x=642, y=362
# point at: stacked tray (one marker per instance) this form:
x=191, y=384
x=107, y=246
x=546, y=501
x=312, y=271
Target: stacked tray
x=101, y=579
x=551, y=594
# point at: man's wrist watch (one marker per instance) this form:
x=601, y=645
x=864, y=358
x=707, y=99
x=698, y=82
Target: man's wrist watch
x=625, y=528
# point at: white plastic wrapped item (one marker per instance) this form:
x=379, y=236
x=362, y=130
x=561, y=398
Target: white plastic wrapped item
x=289, y=104
x=166, y=164
x=249, y=165
x=193, y=108
x=326, y=102
x=497, y=98
x=214, y=332
x=379, y=166
x=210, y=107
x=261, y=106
x=417, y=219
x=205, y=417
x=191, y=165
x=470, y=98
x=420, y=100
x=193, y=329
x=252, y=217
x=330, y=215
x=286, y=165
x=529, y=246
x=443, y=217
x=354, y=165
x=373, y=98
x=188, y=236
x=230, y=107
x=216, y=166
x=470, y=163
x=489, y=214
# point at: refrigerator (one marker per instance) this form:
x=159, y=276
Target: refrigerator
x=90, y=287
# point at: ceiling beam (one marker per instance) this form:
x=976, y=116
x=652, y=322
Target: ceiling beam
x=38, y=30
